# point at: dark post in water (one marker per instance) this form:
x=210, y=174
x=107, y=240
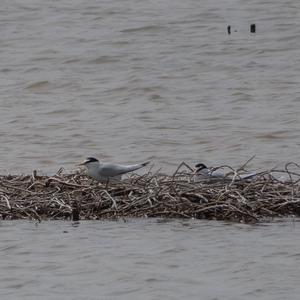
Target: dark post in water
x=228, y=29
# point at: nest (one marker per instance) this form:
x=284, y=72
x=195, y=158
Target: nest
x=75, y=197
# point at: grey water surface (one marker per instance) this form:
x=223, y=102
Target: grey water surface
x=130, y=80
x=133, y=80
x=149, y=259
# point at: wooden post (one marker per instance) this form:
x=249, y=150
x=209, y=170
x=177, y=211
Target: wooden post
x=75, y=212
x=229, y=29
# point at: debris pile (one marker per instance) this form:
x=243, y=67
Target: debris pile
x=181, y=195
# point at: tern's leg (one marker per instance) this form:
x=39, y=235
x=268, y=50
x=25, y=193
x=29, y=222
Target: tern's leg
x=107, y=182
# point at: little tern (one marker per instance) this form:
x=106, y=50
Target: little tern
x=204, y=173
x=107, y=171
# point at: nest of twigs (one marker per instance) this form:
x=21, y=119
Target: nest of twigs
x=75, y=197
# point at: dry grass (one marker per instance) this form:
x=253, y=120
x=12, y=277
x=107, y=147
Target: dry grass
x=74, y=196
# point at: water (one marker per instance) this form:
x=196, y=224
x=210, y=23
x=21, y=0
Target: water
x=143, y=259
x=129, y=81
x=137, y=80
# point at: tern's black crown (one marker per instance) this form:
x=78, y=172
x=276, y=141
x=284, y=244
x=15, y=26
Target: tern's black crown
x=91, y=159
x=201, y=166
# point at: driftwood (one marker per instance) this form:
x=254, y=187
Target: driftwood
x=75, y=196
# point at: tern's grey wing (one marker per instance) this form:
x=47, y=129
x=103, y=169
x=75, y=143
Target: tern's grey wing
x=248, y=175
x=217, y=174
x=233, y=177
x=212, y=175
x=111, y=170
x=130, y=168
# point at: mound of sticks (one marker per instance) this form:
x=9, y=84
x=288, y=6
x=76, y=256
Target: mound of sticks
x=181, y=195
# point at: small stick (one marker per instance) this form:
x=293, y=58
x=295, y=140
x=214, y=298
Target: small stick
x=229, y=29
x=111, y=198
x=7, y=201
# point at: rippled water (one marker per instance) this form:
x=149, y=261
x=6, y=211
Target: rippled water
x=161, y=80
x=149, y=260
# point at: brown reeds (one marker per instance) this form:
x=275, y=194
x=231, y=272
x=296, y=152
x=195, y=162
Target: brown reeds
x=181, y=195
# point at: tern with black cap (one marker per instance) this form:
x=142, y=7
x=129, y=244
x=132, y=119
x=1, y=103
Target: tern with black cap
x=106, y=171
x=203, y=173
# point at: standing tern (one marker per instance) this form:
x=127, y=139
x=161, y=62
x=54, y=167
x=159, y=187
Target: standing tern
x=106, y=171
x=204, y=173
